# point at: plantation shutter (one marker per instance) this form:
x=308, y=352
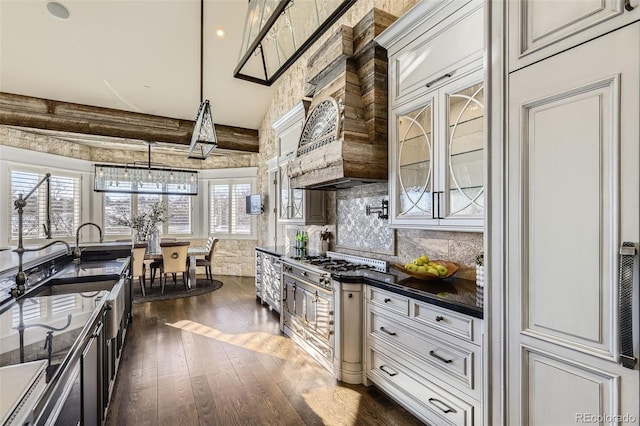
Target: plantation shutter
x=65, y=204
x=179, y=211
x=116, y=206
x=219, y=208
x=240, y=220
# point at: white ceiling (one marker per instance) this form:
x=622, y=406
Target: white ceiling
x=141, y=56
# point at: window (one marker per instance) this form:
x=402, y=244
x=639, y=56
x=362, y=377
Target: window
x=227, y=204
x=64, y=201
x=118, y=205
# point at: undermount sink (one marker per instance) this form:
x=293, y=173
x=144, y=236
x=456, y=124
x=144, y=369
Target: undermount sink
x=85, y=287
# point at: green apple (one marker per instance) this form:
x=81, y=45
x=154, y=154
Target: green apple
x=425, y=258
x=419, y=261
x=422, y=269
x=442, y=270
x=433, y=271
x=411, y=267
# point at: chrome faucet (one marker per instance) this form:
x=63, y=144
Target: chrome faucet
x=20, y=204
x=77, y=252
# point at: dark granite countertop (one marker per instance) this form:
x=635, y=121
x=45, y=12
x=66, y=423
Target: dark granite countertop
x=29, y=329
x=274, y=250
x=94, y=270
x=453, y=293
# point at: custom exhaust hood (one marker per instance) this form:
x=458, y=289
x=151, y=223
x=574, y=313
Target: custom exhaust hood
x=344, y=139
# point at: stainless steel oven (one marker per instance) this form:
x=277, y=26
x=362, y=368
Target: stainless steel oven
x=308, y=310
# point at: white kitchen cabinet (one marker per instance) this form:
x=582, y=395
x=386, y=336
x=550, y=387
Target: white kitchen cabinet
x=426, y=357
x=540, y=29
x=258, y=277
x=295, y=206
x=573, y=199
x=270, y=289
x=436, y=131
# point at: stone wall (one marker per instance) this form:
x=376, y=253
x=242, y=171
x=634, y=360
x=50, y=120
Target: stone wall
x=290, y=89
x=235, y=257
x=391, y=245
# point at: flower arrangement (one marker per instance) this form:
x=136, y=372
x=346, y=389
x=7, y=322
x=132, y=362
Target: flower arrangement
x=145, y=223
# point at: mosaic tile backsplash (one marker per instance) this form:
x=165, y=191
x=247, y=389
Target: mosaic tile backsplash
x=357, y=231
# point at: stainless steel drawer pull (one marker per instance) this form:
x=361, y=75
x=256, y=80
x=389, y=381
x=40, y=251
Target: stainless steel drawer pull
x=439, y=318
x=447, y=409
x=435, y=355
x=387, y=300
x=447, y=75
x=390, y=333
x=387, y=371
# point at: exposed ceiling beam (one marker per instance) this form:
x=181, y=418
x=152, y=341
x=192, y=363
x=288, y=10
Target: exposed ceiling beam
x=38, y=113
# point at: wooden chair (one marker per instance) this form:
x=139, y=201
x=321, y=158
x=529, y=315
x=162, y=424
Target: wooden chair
x=212, y=245
x=137, y=264
x=174, y=261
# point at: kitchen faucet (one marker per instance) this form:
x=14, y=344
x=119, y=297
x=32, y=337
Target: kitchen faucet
x=19, y=204
x=77, y=252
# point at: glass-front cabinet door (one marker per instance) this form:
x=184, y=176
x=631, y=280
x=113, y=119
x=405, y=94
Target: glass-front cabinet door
x=284, y=210
x=437, y=158
x=463, y=195
x=415, y=161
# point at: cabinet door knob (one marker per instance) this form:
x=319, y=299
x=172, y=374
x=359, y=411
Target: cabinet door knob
x=387, y=300
x=439, y=318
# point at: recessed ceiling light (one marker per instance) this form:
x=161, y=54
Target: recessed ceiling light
x=221, y=32
x=58, y=10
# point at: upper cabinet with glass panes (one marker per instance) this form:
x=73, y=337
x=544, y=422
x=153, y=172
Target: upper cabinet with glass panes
x=436, y=104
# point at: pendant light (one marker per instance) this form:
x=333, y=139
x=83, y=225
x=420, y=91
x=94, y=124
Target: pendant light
x=203, y=139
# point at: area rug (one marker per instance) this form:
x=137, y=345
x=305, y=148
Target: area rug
x=173, y=291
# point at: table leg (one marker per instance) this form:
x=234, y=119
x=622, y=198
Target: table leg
x=191, y=281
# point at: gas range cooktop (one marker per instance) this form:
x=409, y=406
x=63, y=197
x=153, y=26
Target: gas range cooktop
x=338, y=262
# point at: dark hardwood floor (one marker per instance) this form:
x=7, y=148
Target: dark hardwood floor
x=219, y=359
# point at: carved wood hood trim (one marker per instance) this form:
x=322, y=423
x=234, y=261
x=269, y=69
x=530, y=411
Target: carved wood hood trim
x=349, y=68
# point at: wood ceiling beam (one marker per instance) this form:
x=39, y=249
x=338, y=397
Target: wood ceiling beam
x=38, y=113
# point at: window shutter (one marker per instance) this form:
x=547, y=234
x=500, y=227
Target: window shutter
x=116, y=206
x=240, y=220
x=65, y=204
x=219, y=208
x=179, y=210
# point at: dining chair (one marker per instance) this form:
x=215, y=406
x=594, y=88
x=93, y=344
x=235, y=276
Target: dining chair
x=156, y=264
x=138, y=266
x=208, y=258
x=174, y=260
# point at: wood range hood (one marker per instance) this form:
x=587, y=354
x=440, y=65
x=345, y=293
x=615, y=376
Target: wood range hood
x=344, y=140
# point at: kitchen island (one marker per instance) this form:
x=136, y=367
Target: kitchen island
x=67, y=330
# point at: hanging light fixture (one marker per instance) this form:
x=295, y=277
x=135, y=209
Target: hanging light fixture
x=278, y=32
x=203, y=139
x=136, y=178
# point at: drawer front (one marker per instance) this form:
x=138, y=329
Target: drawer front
x=430, y=60
x=433, y=404
x=452, y=364
x=460, y=325
x=391, y=301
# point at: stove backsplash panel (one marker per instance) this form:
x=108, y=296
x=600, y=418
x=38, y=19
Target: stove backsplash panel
x=363, y=235
x=357, y=231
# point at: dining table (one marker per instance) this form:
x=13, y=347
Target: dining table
x=192, y=252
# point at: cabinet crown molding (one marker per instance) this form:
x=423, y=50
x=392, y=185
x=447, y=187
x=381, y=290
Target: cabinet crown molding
x=295, y=114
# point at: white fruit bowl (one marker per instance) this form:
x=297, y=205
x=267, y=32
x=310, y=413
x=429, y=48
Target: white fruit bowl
x=452, y=268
